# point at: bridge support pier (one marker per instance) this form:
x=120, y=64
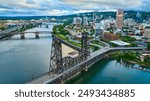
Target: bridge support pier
x=37, y=35
x=22, y=36
x=85, y=69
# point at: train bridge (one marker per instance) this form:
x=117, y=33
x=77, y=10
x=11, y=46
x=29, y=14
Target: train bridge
x=62, y=69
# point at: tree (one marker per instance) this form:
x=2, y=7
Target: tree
x=148, y=46
x=128, y=39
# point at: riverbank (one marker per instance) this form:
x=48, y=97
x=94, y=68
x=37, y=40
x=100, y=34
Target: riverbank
x=145, y=64
x=131, y=57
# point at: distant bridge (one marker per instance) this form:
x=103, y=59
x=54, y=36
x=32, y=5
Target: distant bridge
x=13, y=31
x=22, y=34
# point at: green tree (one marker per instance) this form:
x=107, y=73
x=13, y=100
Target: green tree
x=148, y=46
x=128, y=39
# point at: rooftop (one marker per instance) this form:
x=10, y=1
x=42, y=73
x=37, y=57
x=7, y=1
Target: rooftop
x=120, y=43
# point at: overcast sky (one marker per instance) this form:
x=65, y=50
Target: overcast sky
x=65, y=7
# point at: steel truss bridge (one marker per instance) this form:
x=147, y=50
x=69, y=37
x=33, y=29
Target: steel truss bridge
x=62, y=69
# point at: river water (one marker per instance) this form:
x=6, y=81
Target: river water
x=110, y=72
x=23, y=60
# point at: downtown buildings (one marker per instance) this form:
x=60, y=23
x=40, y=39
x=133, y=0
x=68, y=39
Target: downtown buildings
x=98, y=25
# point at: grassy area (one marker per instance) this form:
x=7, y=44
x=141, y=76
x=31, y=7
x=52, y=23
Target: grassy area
x=98, y=43
x=64, y=37
x=74, y=43
x=94, y=48
x=60, y=32
x=61, y=36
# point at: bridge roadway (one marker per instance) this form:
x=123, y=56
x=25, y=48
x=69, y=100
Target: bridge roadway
x=36, y=32
x=10, y=30
x=46, y=78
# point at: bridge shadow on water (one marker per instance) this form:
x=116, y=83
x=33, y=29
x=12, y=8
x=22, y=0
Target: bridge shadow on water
x=85, y=76
x=109, y=71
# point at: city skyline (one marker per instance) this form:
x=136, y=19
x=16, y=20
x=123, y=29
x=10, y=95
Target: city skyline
x=66, y=7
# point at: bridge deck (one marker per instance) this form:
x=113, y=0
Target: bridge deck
x=49, y=78
x=42, y=79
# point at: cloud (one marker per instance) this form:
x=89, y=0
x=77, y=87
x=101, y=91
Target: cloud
x=64, y=7
x=30, y=2
x=104, y=4
x=34, y=7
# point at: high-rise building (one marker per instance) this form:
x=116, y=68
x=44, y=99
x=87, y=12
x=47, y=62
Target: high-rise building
x=84, y=21
x=94, y=15
x=147, y=33
x=138, y=17
x=119, y=18
x=77, y=21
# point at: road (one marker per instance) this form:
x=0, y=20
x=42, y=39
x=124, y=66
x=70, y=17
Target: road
x=10, y=30
x=6, y=33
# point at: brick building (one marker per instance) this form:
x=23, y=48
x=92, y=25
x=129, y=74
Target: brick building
x=111, y=36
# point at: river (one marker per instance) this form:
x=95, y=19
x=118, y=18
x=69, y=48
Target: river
x=109, y=71
x=23, y=60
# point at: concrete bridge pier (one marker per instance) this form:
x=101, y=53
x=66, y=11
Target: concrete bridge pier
x=37, y=35
x=85, y=69
x=22, y=36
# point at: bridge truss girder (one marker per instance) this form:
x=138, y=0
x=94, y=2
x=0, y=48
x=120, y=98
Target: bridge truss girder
x=59, y=64
x=56, y=62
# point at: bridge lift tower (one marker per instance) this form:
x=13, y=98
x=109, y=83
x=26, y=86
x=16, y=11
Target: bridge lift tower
x=85, y=50
x=56, y=60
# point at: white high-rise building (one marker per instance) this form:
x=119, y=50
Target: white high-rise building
x=85, y=21
x=77, y=20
